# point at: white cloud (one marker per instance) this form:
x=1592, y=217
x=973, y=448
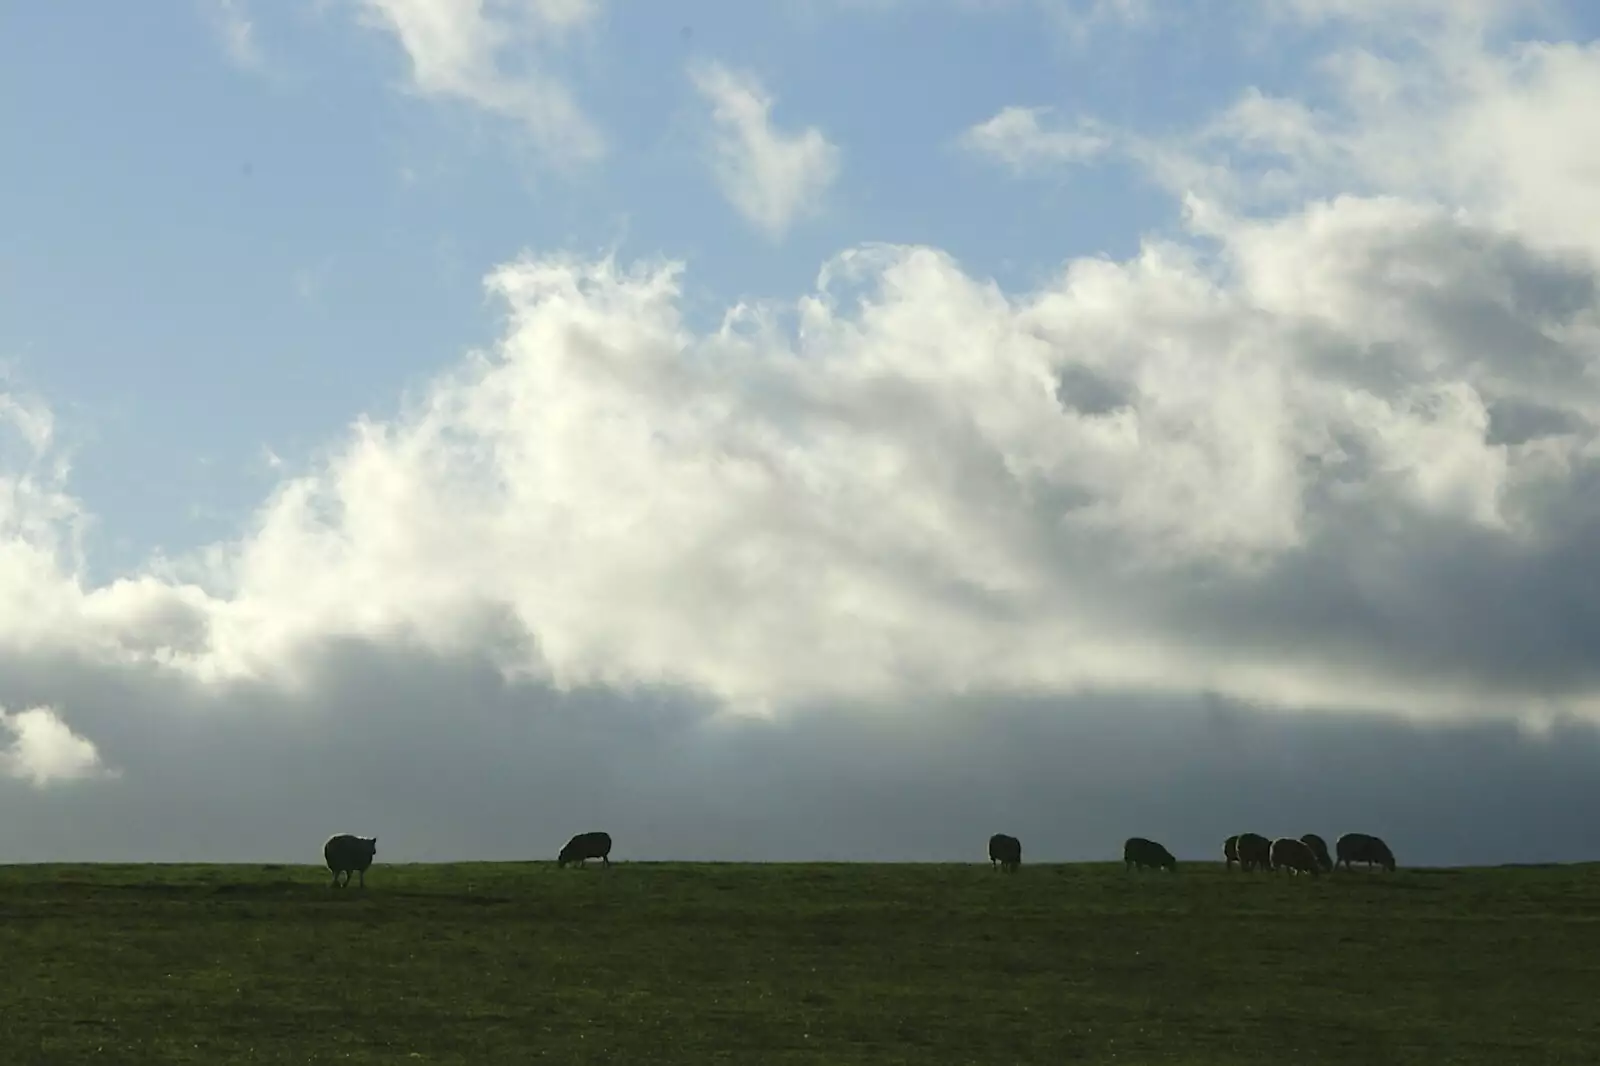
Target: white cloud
x=1490, y=133
x=1283, y=487
x=1321, y=451
x=1016, y=137
x=44, y=750
x=772, y=178
x=486, y=52
x=1486, y=130
x=234, y=25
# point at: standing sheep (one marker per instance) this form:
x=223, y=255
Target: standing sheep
x=1255, y=852
x=346, y=854
x=1362, y=847
x=1005, y=852
x=1230, y=851
x=1137, y=851
x=1319, y=848
x=1295, y=856
x=586, y=846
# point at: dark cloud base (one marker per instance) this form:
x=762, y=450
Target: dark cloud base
x=444, y=761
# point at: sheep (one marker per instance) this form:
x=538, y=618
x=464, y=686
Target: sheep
x=1295, y=856
x=1255, y=852
x=1362, y=847
x=1230, y=851
x=1137, y=851
x=1319, y=848
x=346, y=854
x=1005, y=852
x=586, y=846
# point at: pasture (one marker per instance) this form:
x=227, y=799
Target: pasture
x=692, y=963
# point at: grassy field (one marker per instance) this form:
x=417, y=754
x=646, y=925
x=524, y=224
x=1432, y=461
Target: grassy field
x=665, y=963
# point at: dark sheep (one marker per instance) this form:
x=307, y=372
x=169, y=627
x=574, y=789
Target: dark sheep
x=347, y=854
x=1230, y=851
x=586, y=846
x=1255, y=852
x=1138, y=851
x=1362, y=847
x=1005, y=852
x=1295, y=856
x=1319, y=848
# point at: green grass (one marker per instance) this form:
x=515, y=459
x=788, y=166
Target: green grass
x=926, y=964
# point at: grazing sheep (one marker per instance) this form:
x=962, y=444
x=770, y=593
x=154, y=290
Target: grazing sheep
x=1362, y=847
x=586, y=846
x=1138, y=851
x=1255, y=852
x=1005, y=852
x=346, y=854
x=1319, y=848
x=1295, y=856
x=1230, y=850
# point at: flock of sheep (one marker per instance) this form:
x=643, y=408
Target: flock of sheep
x=1252, y=851
x=1308, y=855
x=346, y=854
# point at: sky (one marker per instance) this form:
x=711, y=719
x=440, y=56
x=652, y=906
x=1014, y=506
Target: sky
x=822, y=429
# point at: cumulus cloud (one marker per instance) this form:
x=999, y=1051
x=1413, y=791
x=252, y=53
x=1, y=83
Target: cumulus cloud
x=488, y=53
x=1483, y=132
x=1339, y=466
x=1016, y=137
x=44, y=750
x=1283, y=486
x=771, y=177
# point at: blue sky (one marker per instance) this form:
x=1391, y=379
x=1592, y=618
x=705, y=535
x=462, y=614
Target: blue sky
x=1119, y=386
